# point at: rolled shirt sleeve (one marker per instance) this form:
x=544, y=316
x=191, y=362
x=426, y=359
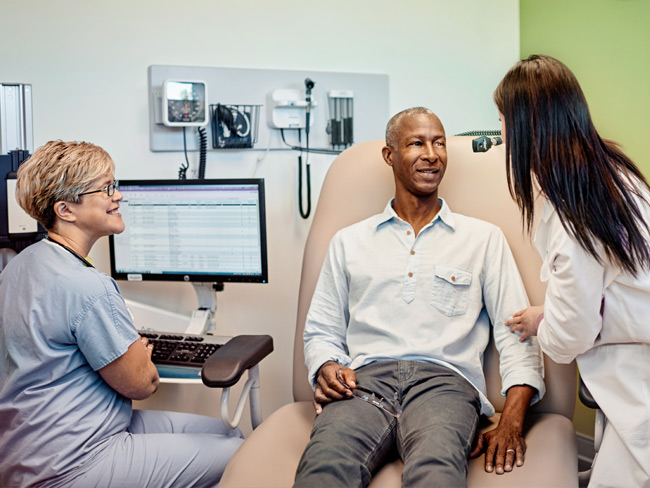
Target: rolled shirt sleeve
x=504, y=293
x=327, y=319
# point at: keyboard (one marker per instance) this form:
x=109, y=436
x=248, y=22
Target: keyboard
x=177, y=349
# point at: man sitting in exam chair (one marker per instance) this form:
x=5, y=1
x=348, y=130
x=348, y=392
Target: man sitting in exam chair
x=400, y=319
x=71, y=359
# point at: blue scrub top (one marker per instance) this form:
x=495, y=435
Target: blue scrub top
x=60, y=322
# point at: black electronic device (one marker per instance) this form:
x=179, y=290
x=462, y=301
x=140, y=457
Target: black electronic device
x=210, y=231
x=484, y=143
x=17, y=229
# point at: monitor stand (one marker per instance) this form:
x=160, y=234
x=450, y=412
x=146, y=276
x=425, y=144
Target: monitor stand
x=147, y=317
x=203, y=318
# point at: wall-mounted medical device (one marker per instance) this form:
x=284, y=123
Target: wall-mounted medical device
x=287, y=108
x=341, y=122
x=16, y=126
x=484, y=143
x=234, y=126
x=17, y=229
x=184, y=103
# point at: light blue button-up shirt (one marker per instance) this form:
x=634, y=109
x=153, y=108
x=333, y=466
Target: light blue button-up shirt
x=385, y=294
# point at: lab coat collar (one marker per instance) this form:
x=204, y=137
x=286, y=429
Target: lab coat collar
x=547, y=211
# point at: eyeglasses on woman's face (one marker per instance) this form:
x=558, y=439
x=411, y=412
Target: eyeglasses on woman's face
x=108, y=189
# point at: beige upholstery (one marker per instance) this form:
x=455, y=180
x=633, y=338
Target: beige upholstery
x=359, y=184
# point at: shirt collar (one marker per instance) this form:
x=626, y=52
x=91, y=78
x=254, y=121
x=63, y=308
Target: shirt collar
x=445, y=215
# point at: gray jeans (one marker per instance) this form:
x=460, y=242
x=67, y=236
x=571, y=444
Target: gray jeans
x=352, y=439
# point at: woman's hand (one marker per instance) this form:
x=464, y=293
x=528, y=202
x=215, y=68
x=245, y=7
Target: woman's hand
x=133, y=375
x=525, y=321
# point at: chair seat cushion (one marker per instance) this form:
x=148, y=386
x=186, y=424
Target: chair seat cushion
x=550, y=440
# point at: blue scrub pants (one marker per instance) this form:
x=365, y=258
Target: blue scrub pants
x=163, y=449
x=352, y=439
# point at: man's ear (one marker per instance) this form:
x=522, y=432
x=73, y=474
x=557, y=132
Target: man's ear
x=64, y=212
x=387, y=153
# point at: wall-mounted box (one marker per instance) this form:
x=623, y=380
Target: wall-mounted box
x=287, y=109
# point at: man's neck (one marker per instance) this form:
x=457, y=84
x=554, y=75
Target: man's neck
x=416, y=211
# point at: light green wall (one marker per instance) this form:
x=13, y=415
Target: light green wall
x=606, y=43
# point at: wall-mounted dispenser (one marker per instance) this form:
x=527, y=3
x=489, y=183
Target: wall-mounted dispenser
x=287, y=108
x=341, y=110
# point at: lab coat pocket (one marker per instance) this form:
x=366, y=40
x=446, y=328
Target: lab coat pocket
x=450, y=290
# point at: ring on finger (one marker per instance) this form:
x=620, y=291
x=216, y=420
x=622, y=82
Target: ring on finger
x=510, y=450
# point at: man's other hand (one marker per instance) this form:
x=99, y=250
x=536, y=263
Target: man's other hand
x=503, y=449
x=331, y=382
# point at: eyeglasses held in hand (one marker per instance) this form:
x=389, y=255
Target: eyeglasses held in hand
x=109, y=189
x=390, y=407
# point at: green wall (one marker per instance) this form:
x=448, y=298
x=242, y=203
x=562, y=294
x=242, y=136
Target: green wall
x=606, y=43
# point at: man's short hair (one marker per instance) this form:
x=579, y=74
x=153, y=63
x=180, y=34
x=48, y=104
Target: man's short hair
x=391, y=127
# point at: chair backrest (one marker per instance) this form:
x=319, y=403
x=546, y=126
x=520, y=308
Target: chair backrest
x=359, y=184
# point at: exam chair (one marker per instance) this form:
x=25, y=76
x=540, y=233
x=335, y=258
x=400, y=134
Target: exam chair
x=599, y=428
x=358, y=185
x=225, y=368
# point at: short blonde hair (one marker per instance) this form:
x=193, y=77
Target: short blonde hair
x=59, y=171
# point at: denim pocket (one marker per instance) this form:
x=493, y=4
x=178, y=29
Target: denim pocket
x=450, y=290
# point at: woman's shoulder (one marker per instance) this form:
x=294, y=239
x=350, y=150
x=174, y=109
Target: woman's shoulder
x=66, y=271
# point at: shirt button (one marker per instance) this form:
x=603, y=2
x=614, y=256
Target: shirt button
x=410, y=275
x=408, y=232
x=412, y=252
x=453, y=278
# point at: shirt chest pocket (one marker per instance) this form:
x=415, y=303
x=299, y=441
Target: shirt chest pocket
x=450, y=290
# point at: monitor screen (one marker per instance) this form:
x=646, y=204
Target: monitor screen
x=191, y=230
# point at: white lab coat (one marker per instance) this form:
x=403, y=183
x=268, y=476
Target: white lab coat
x=612, y=350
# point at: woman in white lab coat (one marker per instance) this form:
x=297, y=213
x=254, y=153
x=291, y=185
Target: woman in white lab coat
x=594, y=240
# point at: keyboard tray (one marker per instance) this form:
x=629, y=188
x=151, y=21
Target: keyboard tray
x=181, y=349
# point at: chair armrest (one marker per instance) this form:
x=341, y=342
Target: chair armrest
x=224, y=368
x=585, y=395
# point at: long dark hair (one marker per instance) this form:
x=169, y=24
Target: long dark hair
x=596, y=190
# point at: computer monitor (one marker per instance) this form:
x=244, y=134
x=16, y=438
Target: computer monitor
x=191, y=230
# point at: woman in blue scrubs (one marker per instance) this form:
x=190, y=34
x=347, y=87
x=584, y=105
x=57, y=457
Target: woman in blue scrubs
x=594, y=239
x=71, y=360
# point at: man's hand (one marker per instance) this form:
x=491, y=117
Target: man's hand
x=526, y=321
x=505, y=445
x=331, y=382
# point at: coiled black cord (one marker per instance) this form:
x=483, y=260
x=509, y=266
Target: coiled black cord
x=203, y=151
x=480, y=133
x=182, y=171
